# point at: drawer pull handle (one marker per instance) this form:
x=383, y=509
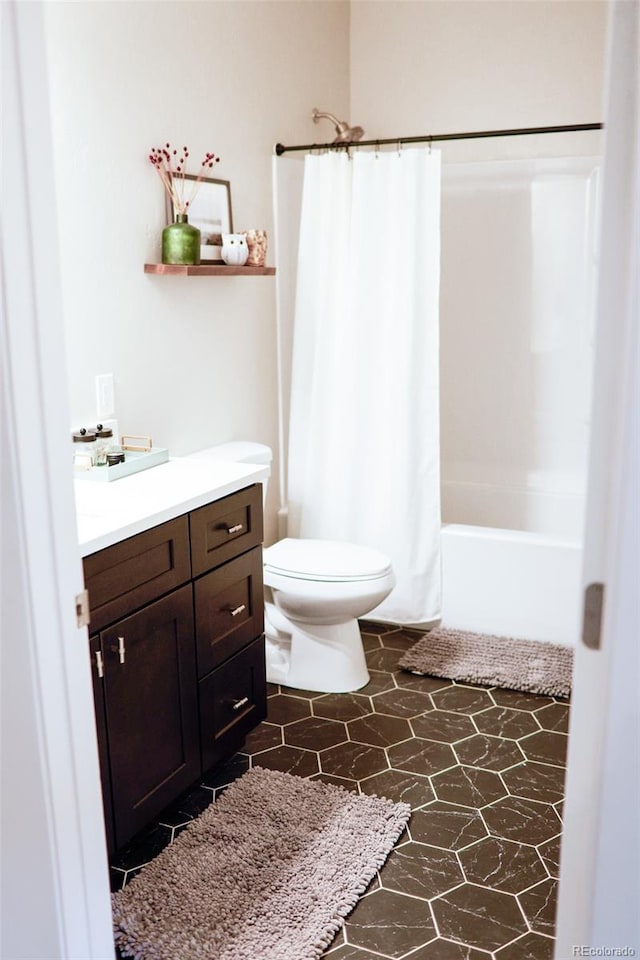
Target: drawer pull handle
x=239, y=704
x=120, y=649
x=238, y=610
x=236, y=528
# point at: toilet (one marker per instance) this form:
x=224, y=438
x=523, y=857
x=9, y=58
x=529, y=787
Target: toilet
x=319, y=589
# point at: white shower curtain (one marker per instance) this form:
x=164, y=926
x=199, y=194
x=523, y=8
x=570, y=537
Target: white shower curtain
x=364, y=423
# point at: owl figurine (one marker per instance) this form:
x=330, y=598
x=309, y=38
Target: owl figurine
x=234, y=249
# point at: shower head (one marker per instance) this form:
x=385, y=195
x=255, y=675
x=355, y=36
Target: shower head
x=345, y=133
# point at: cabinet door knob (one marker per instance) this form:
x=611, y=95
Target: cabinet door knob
x=236, y=528
x=239, y=704
x=236, y=611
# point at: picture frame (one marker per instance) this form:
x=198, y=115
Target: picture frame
x=210, y=211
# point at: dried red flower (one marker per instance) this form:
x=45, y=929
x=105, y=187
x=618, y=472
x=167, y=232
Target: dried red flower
x=173, y=176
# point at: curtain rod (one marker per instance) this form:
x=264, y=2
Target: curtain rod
x=433, y=138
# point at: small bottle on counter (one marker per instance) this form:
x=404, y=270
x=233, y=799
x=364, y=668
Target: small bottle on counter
x=84, y=449
x=104, y=444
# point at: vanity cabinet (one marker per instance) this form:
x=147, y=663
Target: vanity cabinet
x=177, y=654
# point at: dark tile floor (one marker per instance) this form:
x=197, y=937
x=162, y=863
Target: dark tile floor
x=474, y=877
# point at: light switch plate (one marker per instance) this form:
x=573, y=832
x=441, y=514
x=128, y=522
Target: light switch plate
x=105, y=400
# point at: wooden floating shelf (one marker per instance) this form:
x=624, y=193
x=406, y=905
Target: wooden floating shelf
x=208, y=270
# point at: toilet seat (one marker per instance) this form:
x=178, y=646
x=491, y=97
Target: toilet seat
x=328, y=561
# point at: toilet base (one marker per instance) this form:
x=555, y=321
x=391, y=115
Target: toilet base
x=326, y=658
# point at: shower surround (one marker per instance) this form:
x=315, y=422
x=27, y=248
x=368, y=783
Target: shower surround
x=516, y=354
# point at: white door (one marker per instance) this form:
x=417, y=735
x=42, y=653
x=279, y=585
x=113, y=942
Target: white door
x=599, y=866
x=55, y=888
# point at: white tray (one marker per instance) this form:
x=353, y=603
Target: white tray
x=134, y=461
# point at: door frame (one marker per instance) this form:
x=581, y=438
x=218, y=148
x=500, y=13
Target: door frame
x=55, y=883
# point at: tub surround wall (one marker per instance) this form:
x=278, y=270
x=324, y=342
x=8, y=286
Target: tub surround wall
x=516, y=342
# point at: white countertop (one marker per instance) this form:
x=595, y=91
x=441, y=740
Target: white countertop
x=108, y=512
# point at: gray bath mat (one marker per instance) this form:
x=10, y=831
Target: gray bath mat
x=528, y=665
x=268, y=872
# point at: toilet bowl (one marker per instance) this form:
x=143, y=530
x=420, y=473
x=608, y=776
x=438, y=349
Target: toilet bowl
x=319, y=589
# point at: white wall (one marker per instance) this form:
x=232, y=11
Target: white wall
x=438, y=66
x=193, y=359
x=515, y=326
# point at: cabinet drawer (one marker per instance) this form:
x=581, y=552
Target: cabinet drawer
x=122, y=578
x=233, y=699
x=226, y=528
x=229, y=609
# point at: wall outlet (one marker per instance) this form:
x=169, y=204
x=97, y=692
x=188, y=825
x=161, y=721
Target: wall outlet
x=105, y=400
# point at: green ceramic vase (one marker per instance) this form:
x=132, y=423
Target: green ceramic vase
x=181, y=242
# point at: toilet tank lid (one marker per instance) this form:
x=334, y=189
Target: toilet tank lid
x=236, y=451
x=326, y=560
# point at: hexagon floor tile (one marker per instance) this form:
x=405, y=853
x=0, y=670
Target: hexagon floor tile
x=390, y=921
x=421, y=871
x=442, y=726
x=353, y=760
x=474, y=877
x=379, y=730
x=446, y=825
x=502, y=865
x=468, y=786
x=479, y=917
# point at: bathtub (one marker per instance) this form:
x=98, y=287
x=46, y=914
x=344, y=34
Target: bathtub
x=511, y=583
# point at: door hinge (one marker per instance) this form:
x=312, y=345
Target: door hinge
x=82, y=609
x=592, y=615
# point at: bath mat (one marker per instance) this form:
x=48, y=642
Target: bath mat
x=267, y=872
x=528, y=665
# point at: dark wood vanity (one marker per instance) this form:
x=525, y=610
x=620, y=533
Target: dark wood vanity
x=177, y=653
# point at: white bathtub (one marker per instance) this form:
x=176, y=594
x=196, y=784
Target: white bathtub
x=510, y=583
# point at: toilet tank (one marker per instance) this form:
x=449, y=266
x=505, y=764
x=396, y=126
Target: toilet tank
x=239, y=451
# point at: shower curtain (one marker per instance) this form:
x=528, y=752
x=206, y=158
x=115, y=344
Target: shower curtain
x=363, y=463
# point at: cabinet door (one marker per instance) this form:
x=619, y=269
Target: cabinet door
x=151, y=709
x=97, y=673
